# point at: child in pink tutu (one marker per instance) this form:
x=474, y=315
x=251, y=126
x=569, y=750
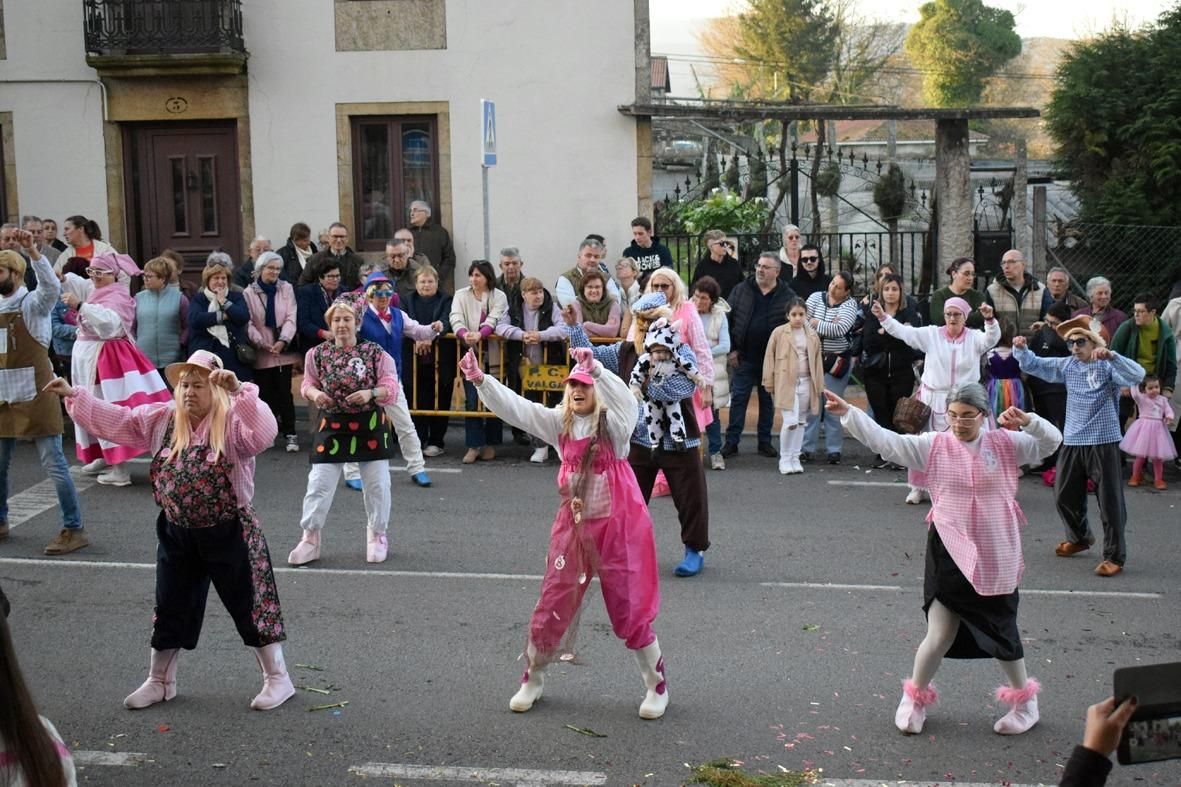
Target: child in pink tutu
x=602, y=527
x=1149, y=437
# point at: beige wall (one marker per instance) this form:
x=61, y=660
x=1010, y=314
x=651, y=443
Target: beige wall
x=7, y=144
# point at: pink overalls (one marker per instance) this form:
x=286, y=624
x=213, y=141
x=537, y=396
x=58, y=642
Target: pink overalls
x=618, y=546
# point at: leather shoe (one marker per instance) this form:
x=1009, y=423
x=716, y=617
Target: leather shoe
x=834, y=458
x=421, y=479
x=805, y=456
x=1108, y=569
x=766, y=449
x=729, y=449
x=1068, y=548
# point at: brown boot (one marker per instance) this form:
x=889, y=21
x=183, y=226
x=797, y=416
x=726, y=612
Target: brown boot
x=1068, y=548
x=3, y=529
x=1108, y=569
x=68, y=540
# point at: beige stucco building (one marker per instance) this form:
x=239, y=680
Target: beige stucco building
x=197, y=124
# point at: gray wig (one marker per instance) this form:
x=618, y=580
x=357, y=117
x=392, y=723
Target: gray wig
x=972, y=394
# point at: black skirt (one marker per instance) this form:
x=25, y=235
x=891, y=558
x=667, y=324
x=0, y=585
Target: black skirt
x=988, y=624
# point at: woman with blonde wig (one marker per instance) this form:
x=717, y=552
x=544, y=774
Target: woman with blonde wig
x=203, y=443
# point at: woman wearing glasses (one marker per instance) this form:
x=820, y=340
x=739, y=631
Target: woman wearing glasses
x=105, y=350
x=953, y=358
x=974, y=559
x=789, y=253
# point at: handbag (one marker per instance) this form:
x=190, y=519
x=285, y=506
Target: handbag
x=873, y=361
x=911, y=415
x=835, y=364
x=245, y=353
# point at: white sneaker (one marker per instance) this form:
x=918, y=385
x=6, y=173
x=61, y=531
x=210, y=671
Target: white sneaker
x=915, y=497
x=796, y=467
x=540, y=455
x=292, y=444
x=432, y=450
x=785, y=466
x=95, y=467
x=717, y=462
x=116, y=476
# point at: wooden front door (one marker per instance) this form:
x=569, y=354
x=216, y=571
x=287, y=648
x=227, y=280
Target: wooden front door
x=183, y=191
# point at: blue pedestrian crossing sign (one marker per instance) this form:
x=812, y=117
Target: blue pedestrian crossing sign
x=488, y=131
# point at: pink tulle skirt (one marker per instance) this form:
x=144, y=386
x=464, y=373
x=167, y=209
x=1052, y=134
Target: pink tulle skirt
x=1150, y=438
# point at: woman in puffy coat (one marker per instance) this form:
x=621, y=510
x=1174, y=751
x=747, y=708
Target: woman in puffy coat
x=271, y=330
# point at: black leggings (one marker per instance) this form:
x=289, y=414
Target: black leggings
x=883, y=392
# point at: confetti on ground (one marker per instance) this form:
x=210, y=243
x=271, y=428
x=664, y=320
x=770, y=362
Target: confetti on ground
x=311, y=667
x=163, y=728
x=811, y=627
x=328, y=707
x=725, y=772
x=313, y=690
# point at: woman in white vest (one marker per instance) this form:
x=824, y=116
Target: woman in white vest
x=712, y=308
x=974, y=557
x=161, y=315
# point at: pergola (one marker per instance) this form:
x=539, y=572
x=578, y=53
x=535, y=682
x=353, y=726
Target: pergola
x=953, y=206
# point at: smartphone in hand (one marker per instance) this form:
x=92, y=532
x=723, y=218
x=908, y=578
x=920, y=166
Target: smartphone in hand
x=1154, y=731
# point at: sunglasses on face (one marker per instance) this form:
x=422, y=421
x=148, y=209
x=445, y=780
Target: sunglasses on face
x=806, y=260
x=1079, y=342
x=657, y=286
x=383, y=293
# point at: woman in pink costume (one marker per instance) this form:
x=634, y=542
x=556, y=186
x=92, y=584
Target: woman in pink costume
x=974, y=559
x=107, y=363
x=602, y=526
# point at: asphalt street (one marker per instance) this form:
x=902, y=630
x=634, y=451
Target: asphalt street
x=786, y=652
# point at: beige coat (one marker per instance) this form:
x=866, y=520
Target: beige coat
x=780, y=370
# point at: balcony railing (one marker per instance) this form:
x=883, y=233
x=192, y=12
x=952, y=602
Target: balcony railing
x=163, y=27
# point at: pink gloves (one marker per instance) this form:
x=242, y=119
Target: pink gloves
x=584, y=359
x=470, y=366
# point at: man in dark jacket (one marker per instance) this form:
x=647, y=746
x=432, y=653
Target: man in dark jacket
x=339, y=252
x=297, y=253
x=646, y=250
x=1149, y=342
x=757, y=307
x=434, y=241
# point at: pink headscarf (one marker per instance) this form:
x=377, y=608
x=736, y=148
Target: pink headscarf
x=116, y=296
x=957, y=303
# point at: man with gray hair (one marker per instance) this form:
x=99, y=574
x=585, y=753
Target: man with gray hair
x=34, y=225
x=509, y=280
x=338, y=251
x=590, y=253
x=397, y=266
x=434, y=241
x=1058, y=283
x=244, y=273
x=1015, y=295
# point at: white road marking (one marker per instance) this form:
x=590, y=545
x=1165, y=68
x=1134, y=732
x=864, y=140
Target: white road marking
x=899, y=484
x=374, y=572
x=827, y=586
x=908, y=782
x=126, y=758
x=41, y=497
x=450, y=773
x=143, y=460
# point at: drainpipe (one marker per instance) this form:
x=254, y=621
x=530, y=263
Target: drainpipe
x=102, y=87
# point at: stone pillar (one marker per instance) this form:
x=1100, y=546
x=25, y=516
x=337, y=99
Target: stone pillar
x=954, y=190
x=1038, y=239
x=643, y=86
x=833, y=219
x=1019, y=210
x=891, y=140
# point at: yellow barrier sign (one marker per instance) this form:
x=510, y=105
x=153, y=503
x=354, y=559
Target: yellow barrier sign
x=543, y=377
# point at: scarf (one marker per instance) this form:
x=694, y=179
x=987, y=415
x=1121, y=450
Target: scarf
x=596, y=312
x=269, y=291
x=303, y=256
x=116, y=297
x=217, y=330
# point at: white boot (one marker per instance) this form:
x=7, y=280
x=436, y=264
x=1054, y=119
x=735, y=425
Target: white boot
x=276, y=683
x=1023, y=713
x=540, y=455
x=532, y=683
x=912, y=708
x=377, y=547
x=652, y=668
x=307, y=550
x=915, y=497
x=117, y=475
x=161, y=683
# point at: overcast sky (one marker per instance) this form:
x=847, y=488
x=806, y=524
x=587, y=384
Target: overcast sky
x=1075, y=19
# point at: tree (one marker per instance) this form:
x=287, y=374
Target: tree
x=959, y=44
x=1116, y=117
x=794, y=41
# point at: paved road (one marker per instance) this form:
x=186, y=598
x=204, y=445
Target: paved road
x=786, y=652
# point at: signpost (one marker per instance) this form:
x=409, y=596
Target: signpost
x=488, y=153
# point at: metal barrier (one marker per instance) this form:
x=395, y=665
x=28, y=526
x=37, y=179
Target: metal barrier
x=542, y=378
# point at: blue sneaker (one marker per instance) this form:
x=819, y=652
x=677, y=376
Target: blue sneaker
x=353, y=483
x=421, y=479
x=691, y=565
